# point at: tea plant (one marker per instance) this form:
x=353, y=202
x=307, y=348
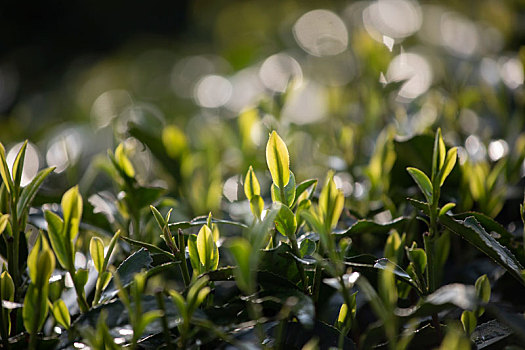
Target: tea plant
x=293, y=274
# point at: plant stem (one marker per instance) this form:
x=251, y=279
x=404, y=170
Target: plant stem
x=428, y=242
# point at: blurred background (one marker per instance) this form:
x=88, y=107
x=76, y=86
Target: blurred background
x=192, y=88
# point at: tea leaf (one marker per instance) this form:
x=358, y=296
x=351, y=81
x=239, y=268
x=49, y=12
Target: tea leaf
x=29, y=192
x=289, y=192
x=61, y=313
x=7, y=287
x=448, y=166
x=278, y=160
x=4, y=171
x=472, y=231
x=3, y=222
x=208, y=251
x=35, y=308
x=285, y=221
x=18, y=166
x=123, y=161
x=251, y=185
x=72, y=210
x=55, y=229
x=96, y=249
x=423, y=182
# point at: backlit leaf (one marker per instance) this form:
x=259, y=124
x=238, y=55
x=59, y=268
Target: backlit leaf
x=278, y=160
x=423, y=182
x=96, y=249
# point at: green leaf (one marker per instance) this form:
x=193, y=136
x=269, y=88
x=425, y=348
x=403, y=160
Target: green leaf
x=251, y=184
x=96, y=249
x=419, y=258
x=3, y=222
x=278, y=160
x=241, y=251
x=285, y=221
x=257, y=206
x=29, y=192
x=469, y=321
x=302, y=187
x=18, y=166
x=55, y=229
x=368, y=226
x=483, y=288
x=111, y=247
x=4, y=171
x=135, y=263
x=445, y=209
x=449, y=163
x=331, y=202
x=306, y=247
x=35, y=308
x=152, y=248
x=174, y=141
x=438, y=153
x=158, y=217
x=208, y=251
x=423, y=182
x=472, y=231
x=289, y=192
x=123, y=161
x=145, y=319
x=81, y=277
x=61, y=313
x=179, y=301
x=194, y=255
x=72, y=211
x=103, y=280
x=7, y=287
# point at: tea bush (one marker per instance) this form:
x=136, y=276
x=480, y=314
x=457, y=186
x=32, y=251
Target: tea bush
x=347, y=204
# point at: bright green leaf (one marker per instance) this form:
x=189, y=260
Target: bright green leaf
x=96, y=249
x=18, y=165
x=445, y=209
x=3, y=222
x=55, y=230
x=61, y=313
x=4, y=171
x=469, y=321
x=285, y=221
x=123, y=161
x=251, y=184
x=208, y=251
x=423, y=183
x=278, y=160
x=448, y=166
x=72, y=211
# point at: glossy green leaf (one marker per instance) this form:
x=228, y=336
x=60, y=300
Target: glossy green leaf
x=103, y=280
x=483, y=292
x=96, y=249
x=289, y=192
x=278, y=160
x=307, y=247
x=179, y=301
x=448, y=165
x=471, y=230
x=81, y=277
x=72, y=211
x=446, y=208
x=423, y=182
x=194, y=255
x=207, y=248
x=61, y=313
x=303, y=187
x=251, y=184
x=55, y=229
x=285, y=221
